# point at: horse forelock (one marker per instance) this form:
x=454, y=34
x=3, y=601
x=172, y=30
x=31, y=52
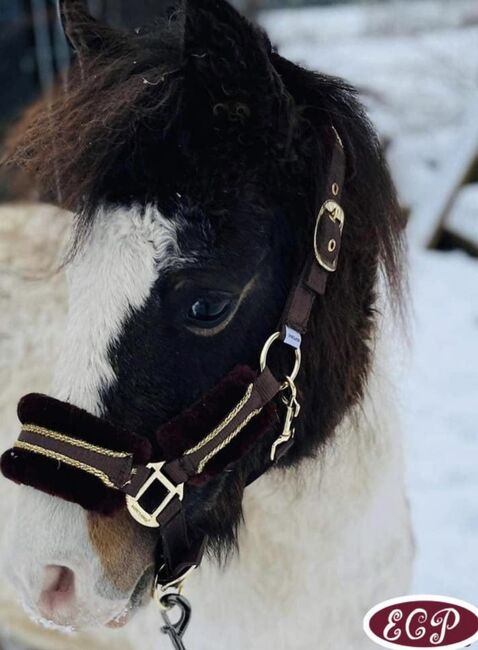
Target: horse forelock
x=138, y=121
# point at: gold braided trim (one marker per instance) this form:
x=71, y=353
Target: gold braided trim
x=48, y=433
x=53, y=455
x=227, y=440
x=224, y=423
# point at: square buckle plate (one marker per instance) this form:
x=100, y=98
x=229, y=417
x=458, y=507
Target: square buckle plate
x=142, y=516
x=333, y=211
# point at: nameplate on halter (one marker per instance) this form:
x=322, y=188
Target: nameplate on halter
x=292, y=338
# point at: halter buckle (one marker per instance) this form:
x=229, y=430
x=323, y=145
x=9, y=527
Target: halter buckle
x=334, y=212
x=142, y=516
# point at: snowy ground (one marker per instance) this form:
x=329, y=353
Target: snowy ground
x=440, y=398
x=418, y=70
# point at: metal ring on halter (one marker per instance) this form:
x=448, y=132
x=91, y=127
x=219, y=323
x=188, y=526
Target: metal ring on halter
x=159, y=589
x=265, y=351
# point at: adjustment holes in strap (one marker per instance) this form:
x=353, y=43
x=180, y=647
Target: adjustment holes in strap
x=332, y=245
x=335, y=189
x=332, y=211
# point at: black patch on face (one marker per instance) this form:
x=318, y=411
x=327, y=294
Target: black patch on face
x=201, y=117
x=162, y=366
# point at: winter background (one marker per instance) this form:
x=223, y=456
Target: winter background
x=416, y=66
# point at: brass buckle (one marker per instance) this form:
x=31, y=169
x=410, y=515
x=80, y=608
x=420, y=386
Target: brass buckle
x=335, y=213
x=150, y=519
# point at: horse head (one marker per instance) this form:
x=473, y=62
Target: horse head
x=194, y=157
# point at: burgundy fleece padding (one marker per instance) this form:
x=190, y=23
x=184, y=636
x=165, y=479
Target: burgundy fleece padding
x=173, y=439
x=60, y=480
x=194, y=424
x=65, y=418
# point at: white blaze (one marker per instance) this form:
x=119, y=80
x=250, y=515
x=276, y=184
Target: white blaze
x=110, y=277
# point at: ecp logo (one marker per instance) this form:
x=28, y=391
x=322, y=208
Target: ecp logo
x=422, y=622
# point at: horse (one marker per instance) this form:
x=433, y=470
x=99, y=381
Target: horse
x=194, y=158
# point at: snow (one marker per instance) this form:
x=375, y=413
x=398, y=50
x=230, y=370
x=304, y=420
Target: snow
x=453, y=170
x=417, y=69
x=463, y=219
x=440, y=401
x=326, y=24
x=417, y=86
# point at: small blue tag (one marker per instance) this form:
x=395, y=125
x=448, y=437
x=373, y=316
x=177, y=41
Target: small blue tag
x=292, y=338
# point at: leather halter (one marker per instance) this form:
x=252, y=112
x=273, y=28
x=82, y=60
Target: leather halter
x=154, y=491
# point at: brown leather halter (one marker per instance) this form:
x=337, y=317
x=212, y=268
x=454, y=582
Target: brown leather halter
x=162, y=484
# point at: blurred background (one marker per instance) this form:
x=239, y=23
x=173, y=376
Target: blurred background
x=415, y=63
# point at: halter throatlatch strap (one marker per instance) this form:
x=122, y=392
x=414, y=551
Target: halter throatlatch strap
x=65, y=451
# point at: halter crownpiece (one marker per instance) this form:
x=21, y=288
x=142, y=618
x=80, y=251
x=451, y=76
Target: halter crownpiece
x=67, y=452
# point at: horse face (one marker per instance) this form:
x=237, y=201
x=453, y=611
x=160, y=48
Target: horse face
x=179, y=275
x=158, y=313
x=194, y=157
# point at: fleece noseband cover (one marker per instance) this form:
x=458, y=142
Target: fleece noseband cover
x=65, y=426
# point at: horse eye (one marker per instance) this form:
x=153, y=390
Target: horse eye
x=207, y=312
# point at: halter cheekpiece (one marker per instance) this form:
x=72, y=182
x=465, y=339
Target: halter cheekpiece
x=65, y=451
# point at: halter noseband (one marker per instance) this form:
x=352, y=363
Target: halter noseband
x=68, y=452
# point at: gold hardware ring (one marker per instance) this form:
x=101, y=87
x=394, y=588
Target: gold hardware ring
x=265, y=351
x=177, y=585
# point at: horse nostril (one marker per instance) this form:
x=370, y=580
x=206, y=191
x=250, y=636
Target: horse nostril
x=57, y=579
x=57, y=593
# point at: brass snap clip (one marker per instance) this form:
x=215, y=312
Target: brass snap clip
x=292, y=404
x=292, y=413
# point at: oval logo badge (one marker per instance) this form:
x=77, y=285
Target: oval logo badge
x=422, y=622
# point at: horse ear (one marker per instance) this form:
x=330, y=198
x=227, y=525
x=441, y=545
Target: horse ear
x=230, y=77
x=215, y=31
x=86, y=34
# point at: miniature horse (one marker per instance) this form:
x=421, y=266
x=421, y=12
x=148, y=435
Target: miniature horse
x=194, y=157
